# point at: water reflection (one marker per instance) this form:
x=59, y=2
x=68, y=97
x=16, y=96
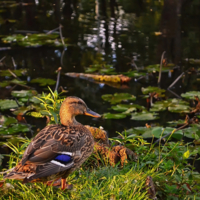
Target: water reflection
x=121, y=33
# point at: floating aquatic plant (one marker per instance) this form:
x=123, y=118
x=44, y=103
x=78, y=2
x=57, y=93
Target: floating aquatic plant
x=118, y=97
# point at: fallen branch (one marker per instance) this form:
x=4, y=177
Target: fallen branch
x=161, y=62
x=61, y=36
x=14, y=75
x=49, y=32
x=14, y=64
x=58, y=78
x=62, y=56
x=28, y=87
x=176, y=80
x=174, y=94
x=2, y=59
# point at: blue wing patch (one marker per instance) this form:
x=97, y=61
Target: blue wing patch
x=63, y=158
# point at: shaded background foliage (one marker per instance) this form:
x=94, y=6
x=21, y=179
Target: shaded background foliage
x=111, y=32
x=115, y=34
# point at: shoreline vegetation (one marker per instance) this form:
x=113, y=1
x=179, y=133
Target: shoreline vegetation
x=124, y=167
x=135, y=62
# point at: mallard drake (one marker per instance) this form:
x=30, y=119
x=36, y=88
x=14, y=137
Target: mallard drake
x=57, y=150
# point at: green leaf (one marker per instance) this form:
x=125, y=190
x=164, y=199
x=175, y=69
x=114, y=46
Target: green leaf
x=15, y=81
x=191, y=95
x=151, y=89
x=34, y=40
x=186, y=154
x=173, y=105
x=144, y=116
x=134, y=73
x=8, y=104
x=35, y=114
x=54, y=116
x=4, y=84
x=43, y=81
x=126, y=107
x=118, y=97
x=17, y=72
x=114, y=116
x=23, y=93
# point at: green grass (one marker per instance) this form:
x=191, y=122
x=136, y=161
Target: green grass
x=174, y=177
x=104, y=183
x=166, y=164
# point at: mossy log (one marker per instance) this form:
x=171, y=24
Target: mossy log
x=114, y=154
x=101, y=78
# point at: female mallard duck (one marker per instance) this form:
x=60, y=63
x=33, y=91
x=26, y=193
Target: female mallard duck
x=57, y=150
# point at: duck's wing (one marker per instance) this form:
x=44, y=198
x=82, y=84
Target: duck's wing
x=52, y=141
x=48, y=169
x=51, y=151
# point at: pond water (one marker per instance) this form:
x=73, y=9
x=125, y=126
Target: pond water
x=118, y=33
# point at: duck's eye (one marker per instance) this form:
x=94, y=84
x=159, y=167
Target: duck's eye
x=80, y=103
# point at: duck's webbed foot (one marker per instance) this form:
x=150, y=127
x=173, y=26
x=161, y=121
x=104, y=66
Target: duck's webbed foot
x=64, y=185
x=56, y=182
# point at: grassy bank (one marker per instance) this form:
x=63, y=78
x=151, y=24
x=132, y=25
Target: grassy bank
x=173, y=177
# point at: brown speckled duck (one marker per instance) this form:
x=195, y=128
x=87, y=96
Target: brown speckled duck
x=57, y=150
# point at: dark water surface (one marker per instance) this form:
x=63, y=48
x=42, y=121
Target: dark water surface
x=119, y=31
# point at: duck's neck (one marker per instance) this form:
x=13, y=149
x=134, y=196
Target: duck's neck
x=68, y=120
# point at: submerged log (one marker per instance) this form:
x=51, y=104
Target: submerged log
x=101, y=78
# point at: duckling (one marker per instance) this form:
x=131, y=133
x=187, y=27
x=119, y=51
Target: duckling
x=57, y=150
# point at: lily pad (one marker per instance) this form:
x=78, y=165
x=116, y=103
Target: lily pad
x=16, y=128
x=153, y=68
x=134, y=73
x=114, y=116
x=151, y=89
x=126, y=107
x=176, y=122
x=138, y=130
x=118, y=97
x=23, y=93
x=173, y=105
x=15, y=81
x=107, y=71
x=192, y=132
x=4, y=84
x=6, y=121
x=9, y=125
x=191, y=95
x=18, y=72
x=101, y=69
x=43, y=81
x=158, y=132
x=8, y=104
x=91, y=70
x=156, y=67
x=194, y=61
x=144, y=116
x=33, y=40
x=24, y=109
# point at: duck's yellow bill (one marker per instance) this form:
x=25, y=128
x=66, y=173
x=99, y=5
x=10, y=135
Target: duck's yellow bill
x=92, y=113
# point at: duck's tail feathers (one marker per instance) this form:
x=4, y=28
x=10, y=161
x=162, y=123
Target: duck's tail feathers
x=16, y=175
